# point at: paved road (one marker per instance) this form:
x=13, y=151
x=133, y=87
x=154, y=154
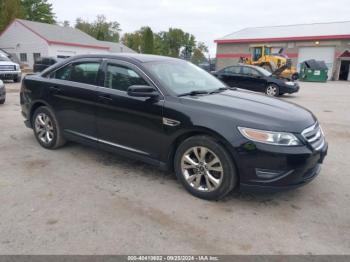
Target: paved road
x=79, y=200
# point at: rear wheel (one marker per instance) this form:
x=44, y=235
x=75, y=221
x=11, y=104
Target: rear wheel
x=205, y=168
x=46, y=128
x=272, y=90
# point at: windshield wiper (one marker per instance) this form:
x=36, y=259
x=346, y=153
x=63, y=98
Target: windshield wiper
x=194, y=93
x=221, y=89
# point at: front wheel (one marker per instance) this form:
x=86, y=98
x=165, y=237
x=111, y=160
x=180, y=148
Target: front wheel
x=2, y=101
x=205, y=168
x=272, y=90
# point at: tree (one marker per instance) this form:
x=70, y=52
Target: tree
x=199, y=53
x=9, y=10
x=133, y=41
x=100, y=29
x=189, y=44
x=174, y=42
x=66, y=23
x=38, y=11
x=147, y=41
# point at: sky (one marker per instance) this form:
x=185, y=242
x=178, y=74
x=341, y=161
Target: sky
x=206, y=19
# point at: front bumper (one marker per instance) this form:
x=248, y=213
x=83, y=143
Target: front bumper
x=267, y=169
x=2, y=93
x=10, y=75
x=291, y=89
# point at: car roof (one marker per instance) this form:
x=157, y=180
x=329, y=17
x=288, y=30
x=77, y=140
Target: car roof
x=243, y=65
x=128, y=57
x=141, y=58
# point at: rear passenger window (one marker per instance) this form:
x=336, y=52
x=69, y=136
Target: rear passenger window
x=232, y=70
x=121, y=78
x=85, y=73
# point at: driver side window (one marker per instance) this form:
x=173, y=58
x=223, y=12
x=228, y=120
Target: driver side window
x=250, y=71
x=121, y=78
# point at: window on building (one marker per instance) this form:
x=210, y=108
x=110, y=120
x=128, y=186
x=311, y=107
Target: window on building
x=36, y=56
x=85, y=73
x=23, y=57
x=121, y=78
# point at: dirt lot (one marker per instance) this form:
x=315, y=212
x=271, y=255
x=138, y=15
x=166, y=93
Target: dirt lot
x=79, y=200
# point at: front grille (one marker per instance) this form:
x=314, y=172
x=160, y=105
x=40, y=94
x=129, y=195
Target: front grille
x=314, y=136
x=7, y=68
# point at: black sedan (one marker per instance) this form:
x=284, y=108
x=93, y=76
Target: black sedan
x=2, y=92
x=170, y=113
x=256, y=79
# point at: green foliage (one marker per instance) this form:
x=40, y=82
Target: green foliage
x=133, y=41
x=174, y=42
x=147, y=41
x=38, y=11
x=198, y=53
x=100, y=29
x=141, y=41
x=9, y=10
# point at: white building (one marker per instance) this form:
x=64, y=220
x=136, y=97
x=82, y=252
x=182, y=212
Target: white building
x=31, y=40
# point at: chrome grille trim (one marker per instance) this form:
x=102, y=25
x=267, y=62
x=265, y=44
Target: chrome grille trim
x=7, y=67
x=314, y=136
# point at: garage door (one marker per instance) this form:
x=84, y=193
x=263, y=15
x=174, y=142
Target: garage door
x=318, y=53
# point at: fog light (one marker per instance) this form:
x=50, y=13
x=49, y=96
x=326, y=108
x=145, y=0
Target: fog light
x=271, y=174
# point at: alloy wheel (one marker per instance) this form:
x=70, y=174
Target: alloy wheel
x=271, y=90
x=44, y=128
x=202, y=169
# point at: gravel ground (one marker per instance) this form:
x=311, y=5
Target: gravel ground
x=79, y=200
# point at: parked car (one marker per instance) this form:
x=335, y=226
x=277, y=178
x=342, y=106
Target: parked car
x=256, y=79
x=171, y=113
x=2, y=92
x=9, y=70
x=44, y=62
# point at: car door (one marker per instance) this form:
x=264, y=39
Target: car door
x=230, y=76
x=72, y=94
x=125, y=123
x=252, y=79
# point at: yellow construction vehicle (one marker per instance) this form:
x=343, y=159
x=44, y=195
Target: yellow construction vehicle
x=278, y=64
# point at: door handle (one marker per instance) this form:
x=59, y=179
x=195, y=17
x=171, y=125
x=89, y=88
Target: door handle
x=55, y=90
x=105, y=98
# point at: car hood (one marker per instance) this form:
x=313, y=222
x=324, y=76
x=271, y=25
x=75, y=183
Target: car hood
x=256, y=111
x=8, y=63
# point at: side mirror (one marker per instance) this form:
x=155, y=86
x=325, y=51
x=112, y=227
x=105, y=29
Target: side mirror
x=142, y=91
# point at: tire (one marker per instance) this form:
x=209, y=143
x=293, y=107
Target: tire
x=195, y=177
x=16, y=79
x=272, y=90
x=46, y=128
x=2, y=101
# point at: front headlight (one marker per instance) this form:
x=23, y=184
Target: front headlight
x=270, y=137
x=289, y=83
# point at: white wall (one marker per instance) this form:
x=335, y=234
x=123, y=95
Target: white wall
x=18, y=39
x=55, y=50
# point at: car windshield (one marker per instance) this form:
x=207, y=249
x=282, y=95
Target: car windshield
x=263, y=71
x=4, y=58
x=182, y=77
